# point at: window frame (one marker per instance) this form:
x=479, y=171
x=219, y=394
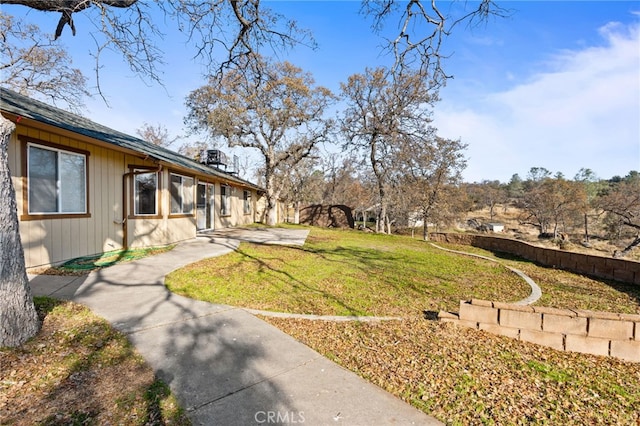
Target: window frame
x=28, y=142
x=246, y=201
x=225, y=200
x=182, y=212
x=136, y=170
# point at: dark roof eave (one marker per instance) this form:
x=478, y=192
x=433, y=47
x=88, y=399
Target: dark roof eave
x=22, y=106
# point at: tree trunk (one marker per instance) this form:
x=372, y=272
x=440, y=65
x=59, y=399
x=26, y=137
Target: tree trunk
x=296, y=212
x=635, y=243
x=425, y=227
x=271, y=209
x=272, y=212
x=18, y=316
x=586, y=227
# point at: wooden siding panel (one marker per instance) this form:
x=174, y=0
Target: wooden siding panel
x=180, y=229
x=116, y=172
x=64, y=239
x=54, y=240
x=99, y=185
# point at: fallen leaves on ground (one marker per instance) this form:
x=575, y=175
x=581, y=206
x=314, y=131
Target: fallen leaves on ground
x=79, y=370
x=464, y=376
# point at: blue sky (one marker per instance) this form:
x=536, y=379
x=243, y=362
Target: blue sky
x=556, y=85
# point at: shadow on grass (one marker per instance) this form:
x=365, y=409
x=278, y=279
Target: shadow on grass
x=409, y=273
x=301, y=284
x=93, y=375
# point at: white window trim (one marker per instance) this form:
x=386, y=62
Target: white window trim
x=246, y=198
x=183, y=191
x=225, y=200
x=140, y=172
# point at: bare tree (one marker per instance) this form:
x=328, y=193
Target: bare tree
x=423, y=28
x=275, y=109
x=591, y=186
x=431, y=167
x=243, y=28
x=487, y=194
x=553, y=204
x=622, y=202
x=343, y=181
x=33, y=65
x=302, y=183
x=380, y=113
x=240, y=28
x=157, y=135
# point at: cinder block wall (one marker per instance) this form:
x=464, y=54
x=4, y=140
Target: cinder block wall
x=597, y=266
x=597, y=333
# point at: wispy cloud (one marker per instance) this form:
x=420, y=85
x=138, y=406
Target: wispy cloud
x=582, y=110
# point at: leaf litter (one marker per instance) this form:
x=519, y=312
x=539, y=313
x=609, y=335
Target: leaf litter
x=463, y=376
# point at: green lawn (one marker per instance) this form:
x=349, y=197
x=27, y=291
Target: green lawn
x=347, y=273
x=341, y=272
x=566, y=290
x=459, y=375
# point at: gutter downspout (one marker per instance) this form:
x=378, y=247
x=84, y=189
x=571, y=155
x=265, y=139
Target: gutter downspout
x=125, y=207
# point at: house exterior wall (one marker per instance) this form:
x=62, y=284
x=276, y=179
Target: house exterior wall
x=53, y=240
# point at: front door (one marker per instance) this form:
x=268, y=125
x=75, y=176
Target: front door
x=204, y=206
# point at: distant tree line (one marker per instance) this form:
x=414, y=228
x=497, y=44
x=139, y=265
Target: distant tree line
x=583, y=206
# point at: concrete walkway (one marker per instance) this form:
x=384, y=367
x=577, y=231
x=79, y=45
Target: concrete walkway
x=226, y=366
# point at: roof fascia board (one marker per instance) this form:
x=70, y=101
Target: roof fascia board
x=38, y=125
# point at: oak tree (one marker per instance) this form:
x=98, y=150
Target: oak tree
x=381, y=113
x=301, y=184
x=275, y=109
x=552, y=204
x=432, y=170
x=622, y=202
x=18, y=317
x=156, y=134
x=34, y=65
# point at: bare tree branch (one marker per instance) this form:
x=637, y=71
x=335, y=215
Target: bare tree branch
x=423, y=27
x=34, y=66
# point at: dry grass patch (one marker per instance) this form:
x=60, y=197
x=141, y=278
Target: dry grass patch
x=463, y=376
x=78, y=370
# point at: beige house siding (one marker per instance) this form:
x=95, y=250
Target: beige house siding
x=236, y=215
x=54, y=240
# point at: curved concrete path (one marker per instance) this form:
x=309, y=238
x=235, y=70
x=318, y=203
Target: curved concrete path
x=226, y=366
x=536, y=291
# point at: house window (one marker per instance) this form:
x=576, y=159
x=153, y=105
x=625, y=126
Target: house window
x=145, y=194
x=246, y=196
x=57, y=181
x=181, y=194
x=225, y=200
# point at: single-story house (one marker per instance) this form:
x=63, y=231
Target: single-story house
x=83, y=188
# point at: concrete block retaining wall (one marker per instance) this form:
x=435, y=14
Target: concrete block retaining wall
x=597, y=266
x=597, y=333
